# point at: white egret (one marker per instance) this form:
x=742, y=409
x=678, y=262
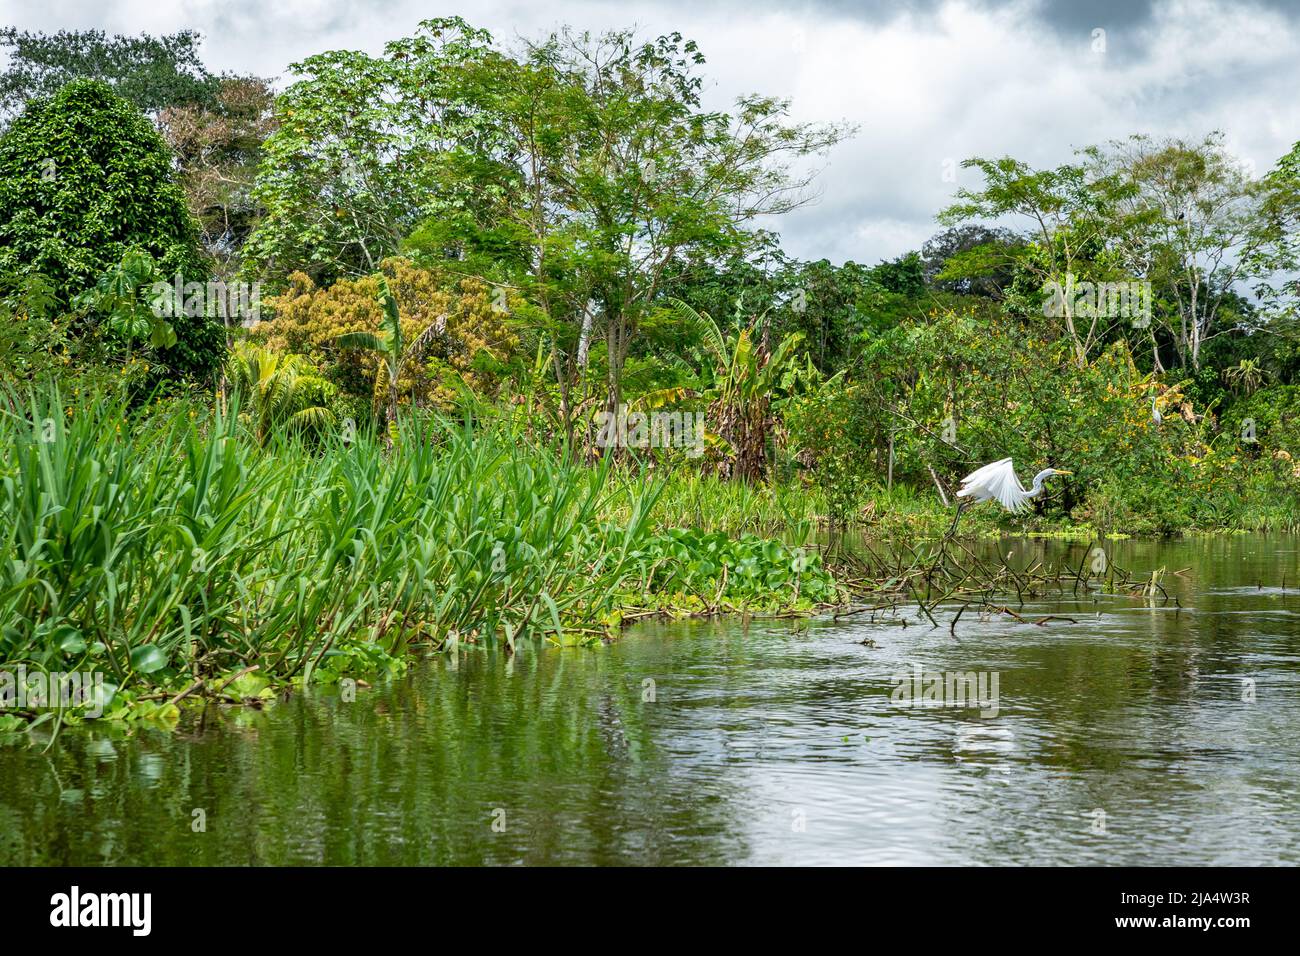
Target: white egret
x=1155, y=412
x=998, y=482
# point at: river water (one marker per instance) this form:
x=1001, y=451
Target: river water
x=1145, y=733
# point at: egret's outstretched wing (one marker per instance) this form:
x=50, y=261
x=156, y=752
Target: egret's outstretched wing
x=979, y=479
x=996, y=482
x=1010, y=492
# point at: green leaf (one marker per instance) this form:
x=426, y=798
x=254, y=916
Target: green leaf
x=147, y=658
x=69, y=640
x=162, y=336
x=555, y=613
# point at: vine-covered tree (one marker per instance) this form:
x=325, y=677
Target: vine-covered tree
x=85, y=178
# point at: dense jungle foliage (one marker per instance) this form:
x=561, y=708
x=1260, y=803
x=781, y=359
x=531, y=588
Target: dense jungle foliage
x=468, y=340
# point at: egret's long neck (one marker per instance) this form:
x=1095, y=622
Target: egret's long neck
x=1038, y=482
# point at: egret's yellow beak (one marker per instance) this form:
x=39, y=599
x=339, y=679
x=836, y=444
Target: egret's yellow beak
x=1062, y=471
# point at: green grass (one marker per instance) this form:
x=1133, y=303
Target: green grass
x=169, y=546
x=692, y=500
x=172, y=543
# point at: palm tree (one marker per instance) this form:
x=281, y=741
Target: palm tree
x=745, y=376
x=395, y=355
x=279, y=389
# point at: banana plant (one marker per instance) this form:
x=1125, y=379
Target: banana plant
x=395, y=355
x=745, y=376
x=1245, y=377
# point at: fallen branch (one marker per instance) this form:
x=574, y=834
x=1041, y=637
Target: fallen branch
x=234, y=677
x=186, y=692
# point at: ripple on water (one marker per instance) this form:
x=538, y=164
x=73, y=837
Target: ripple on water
x=1140, y=734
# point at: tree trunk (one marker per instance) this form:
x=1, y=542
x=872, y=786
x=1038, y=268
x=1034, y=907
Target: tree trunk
x=614, y=380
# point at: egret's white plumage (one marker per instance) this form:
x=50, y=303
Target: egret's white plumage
x=1155, y=412
x=998, y=482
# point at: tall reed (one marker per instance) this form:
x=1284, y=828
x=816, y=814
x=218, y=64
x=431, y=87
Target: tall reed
x=171, y=544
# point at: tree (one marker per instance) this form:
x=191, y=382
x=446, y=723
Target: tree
x=826, y=305
x=365, y=148
x=1245, y=377
x=1068, y=231
x=1188, y=216
x=903, y=276
x=1281, y=293
x=279, y=390
x=84, y=178
x=636, y=173
x=218, y=147
x=971, y=259
x=151, y=72
x=476, y=345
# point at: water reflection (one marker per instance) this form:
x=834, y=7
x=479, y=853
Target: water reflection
x=1165, y=733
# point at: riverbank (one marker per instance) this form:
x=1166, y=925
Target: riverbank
x=177, y=555
x=792, y=508
x=180, y=557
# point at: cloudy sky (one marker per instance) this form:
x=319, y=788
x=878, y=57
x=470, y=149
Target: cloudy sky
x=929, y=82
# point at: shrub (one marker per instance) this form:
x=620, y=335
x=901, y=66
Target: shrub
x=478, y=335
x=831, y=435
x=84, y=178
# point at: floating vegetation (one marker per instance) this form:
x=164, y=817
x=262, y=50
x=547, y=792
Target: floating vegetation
x=184, y=554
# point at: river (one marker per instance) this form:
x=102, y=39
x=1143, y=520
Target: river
x=1146, y=732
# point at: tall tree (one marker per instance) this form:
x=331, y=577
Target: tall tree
x=972, y=259
x=1189, y=217
x=365, y=148
x=1067, y=228
x=151, y=72
x=625, y=174
x=1278, y=263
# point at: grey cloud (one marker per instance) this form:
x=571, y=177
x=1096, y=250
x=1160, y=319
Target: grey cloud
x=927, y=80
x=1064, y=16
